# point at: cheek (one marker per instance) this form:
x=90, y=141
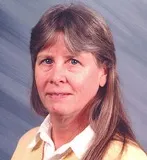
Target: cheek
x=92, y=84
x=40, y=79
x=85, y=81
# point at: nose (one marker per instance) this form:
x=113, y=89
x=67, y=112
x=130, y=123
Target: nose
x=58, y=75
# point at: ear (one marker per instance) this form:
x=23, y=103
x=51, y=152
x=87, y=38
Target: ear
x=103, y=78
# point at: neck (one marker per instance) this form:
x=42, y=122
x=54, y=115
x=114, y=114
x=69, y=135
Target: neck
x=65, y=128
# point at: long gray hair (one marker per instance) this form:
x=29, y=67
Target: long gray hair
x=85, y=30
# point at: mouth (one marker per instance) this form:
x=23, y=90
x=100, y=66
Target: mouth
x=57, y=96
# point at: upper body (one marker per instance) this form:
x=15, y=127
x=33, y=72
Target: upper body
x=23, y=152
x=76, y=81
x=36, y=144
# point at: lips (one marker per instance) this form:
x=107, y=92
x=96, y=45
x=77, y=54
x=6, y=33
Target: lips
x=58, y=95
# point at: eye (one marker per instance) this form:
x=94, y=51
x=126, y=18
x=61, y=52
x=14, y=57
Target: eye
x=74, y=61
x=47, y=61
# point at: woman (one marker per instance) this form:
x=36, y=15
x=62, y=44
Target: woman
x=75, y=85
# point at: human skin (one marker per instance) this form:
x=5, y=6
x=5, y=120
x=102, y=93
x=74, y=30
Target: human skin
x=66, y=83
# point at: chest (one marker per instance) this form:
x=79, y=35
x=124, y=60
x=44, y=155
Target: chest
x=37, y=153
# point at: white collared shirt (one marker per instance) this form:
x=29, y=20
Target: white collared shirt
x=79, y=144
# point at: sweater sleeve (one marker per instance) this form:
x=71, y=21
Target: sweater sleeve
x=23, y=143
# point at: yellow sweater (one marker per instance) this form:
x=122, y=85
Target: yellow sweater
x=23, y=153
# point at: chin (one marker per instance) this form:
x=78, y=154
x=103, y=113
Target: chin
x=54, y=110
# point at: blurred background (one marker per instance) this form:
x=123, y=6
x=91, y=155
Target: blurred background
x=128, y=22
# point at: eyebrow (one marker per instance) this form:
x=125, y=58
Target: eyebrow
x=51, y=56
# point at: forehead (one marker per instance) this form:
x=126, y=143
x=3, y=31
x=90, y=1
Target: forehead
x=57, y=43
x=62, y=46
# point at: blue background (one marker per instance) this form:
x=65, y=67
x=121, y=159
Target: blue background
x=128, y=22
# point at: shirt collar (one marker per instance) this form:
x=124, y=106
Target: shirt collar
x=79, y=144
x=82, y=142
x=42, y=133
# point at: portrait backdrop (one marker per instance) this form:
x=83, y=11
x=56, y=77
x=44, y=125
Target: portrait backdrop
x=128, y=22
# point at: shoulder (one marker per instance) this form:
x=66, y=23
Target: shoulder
x=23, y=143
x=134, y=152
x=29, y=135
x=131, y=152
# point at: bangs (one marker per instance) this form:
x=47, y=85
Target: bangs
x=81, y=29
x=78, y=34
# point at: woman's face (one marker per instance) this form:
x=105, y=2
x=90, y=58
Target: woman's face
x=66, y=83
